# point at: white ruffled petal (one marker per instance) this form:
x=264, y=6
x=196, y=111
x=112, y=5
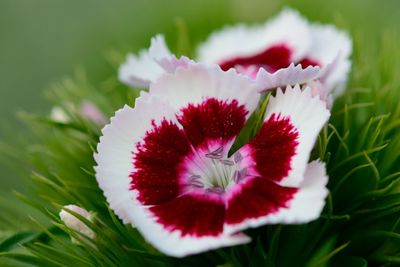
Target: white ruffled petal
x=173, y=244
x=144, y=68
x=163, y=56
x=288, y=28
x=114, y=152
x=332, y=48
x=288, y=76
x=158, y=48
x=308, y=114
x=198, y=82
x=139, y=70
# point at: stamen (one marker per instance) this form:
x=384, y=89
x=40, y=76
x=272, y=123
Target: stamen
x=237, y=157
x=195, y=177
x=216, y=154
x=227, y=162
x=240, y=175
x=195, y=181
x=217, y=173
x=197, y=184
x=216, y=190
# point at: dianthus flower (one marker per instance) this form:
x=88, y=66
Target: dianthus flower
x=167, y=165
x=285, y=50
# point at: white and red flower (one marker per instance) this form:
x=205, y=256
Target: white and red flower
x=166, y=165
x=285, y=50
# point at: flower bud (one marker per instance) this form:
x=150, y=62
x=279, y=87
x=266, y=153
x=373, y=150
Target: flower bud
x=74, y=223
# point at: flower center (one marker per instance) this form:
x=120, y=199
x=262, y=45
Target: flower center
x=213, y=172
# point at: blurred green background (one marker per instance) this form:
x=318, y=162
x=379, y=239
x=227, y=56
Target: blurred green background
x=42, y=41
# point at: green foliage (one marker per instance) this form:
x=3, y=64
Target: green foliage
x=360, y=224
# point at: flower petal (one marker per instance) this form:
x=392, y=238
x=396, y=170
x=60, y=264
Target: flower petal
x=157, y=161
x=161, y=54
x=171, y=242
x=255, y=198
x=114, y=157
x=140, y=70
x=288, y=28
x=305, y=205
x=214, y=121
x=310, y=199
x=270, y=152
x=186, y=215
x=331, y=46
x=171, y=63
x=292, y=29
x=288, y=76
x=198, y=82
x=308, y=114
x=158, y=48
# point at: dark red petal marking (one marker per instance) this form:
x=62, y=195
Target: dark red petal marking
x=305, y=62
x=212, y=120
x=192, y=215
x=272, y=59
x=157, y=163
x=274, y=146
x=258, y=197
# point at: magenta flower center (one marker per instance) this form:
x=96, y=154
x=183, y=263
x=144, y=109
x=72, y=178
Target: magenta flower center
x=183, y=173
